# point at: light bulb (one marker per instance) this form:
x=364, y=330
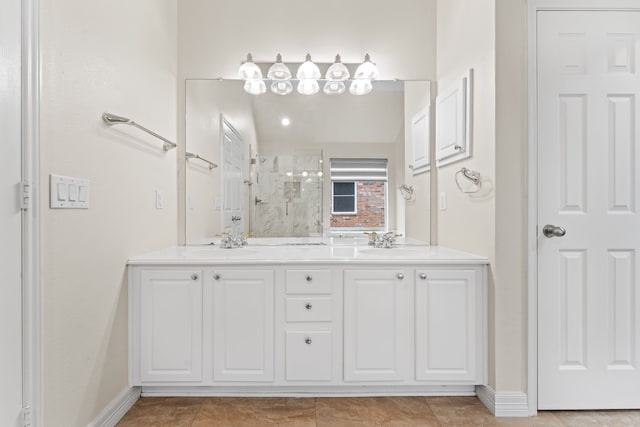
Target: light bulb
x=255, y=87
x=366, y=70
x=337, y=71
x=249, y=70
x=361, y=87
x=285, y=121
x=334, y=88
x=308, y=87
x=308, y=70
x=281, y=87
x=279, y=71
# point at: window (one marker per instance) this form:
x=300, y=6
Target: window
x=358, y=195
x=344, y=198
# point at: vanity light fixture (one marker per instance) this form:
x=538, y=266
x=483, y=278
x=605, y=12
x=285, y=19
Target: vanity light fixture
x=308, y=74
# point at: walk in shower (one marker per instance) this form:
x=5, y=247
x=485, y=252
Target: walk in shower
x=286, y=195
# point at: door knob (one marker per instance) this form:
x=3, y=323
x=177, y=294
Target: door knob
x=550, y=231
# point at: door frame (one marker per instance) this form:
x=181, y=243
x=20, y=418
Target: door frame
x=32, y=317
x=534, y=6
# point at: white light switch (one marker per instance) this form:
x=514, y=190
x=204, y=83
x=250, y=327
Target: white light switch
x=68, y=193
x=443, y=201
x=159, y=200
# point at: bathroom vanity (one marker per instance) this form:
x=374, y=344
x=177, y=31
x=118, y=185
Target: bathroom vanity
x=307, y=320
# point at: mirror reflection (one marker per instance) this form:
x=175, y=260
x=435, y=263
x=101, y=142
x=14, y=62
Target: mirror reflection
x=294, y=165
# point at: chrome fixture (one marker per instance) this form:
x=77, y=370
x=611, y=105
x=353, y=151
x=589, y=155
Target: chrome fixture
x=472, y=176
x=551, y=231
x=387, y=240
x=189, y=155
x=308, y=75
x=112, y=119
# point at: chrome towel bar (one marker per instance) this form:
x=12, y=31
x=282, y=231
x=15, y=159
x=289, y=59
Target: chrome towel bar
x=112, y=119
x=189, y=155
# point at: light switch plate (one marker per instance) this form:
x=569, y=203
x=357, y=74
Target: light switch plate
x=68, y=192
x=443, y=201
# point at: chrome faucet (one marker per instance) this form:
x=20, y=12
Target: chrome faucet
x=230, y=241
x=387, y=240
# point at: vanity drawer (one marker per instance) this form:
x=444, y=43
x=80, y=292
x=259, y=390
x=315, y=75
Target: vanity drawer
x=309, y=282
x=312, y=309
x=308, y=355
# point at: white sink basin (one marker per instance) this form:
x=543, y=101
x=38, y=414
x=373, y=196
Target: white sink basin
x=222, y=253
x=392, y=253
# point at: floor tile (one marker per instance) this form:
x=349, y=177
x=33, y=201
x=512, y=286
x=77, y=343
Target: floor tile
x=162, y=412
x=374, y=411
x=241, y=412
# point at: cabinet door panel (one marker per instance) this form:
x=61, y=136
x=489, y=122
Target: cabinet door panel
x=171, y=325
x=243, y=347
x=446, y=326
x=308, y=355
x=376, y=325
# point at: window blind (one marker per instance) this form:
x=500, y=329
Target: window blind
x=358, y=169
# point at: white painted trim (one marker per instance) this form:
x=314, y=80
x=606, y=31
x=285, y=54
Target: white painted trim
x=113, y=413
x=504, y=404
x=533, y=6
x=33, y=387
x=308, y=391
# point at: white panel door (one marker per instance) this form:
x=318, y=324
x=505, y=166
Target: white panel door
x=171, y=325
x=10, y=217
x=420, y=138
x=243, y=348
x=232, y=181
x=376, y=325
x=448, y=330
x=588, y=158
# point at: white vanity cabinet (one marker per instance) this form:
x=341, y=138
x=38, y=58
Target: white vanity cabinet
x=449, y=322
x=169, y=318
x=307, y=326
x=377, y=323
x=243, y=323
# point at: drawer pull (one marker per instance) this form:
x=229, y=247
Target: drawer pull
x=308, y=340
x=400, y=276
x=216, y=276
x=194, y=277
x=308, y=306
x=423, y=276
x=309, y=278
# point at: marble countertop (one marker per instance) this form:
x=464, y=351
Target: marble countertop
x=308, y=252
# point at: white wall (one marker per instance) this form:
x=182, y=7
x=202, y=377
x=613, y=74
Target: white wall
x=118, y=57
x=417, y=96
x=466, y=39
x=216, y=35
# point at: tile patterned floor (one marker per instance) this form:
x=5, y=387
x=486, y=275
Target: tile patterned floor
x=348, y=412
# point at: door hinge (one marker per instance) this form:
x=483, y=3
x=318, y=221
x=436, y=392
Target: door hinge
x=26, y=416
x=25, y=195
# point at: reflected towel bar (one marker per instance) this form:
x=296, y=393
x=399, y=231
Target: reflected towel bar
x=112, y=119
x=189, y=155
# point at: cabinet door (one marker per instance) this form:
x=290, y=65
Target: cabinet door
x=171, y=325
x=243, y=348
x=448, y=326
x=308, y=355
x=376, y=325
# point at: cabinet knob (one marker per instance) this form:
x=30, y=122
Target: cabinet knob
x=400, y=276
x=423, y=276
x=194, y=277
x=309, y=278
x=308, y=306
x=216, y=276
x=308, y=340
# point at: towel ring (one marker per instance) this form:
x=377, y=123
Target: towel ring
x=472, y=176
x=406, y=191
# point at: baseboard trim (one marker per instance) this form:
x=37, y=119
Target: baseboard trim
x=504, y=404
x=113, y=413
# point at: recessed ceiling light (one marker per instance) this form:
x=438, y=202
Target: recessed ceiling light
x=285, y=121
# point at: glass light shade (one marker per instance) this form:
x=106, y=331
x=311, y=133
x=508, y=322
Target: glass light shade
x=279, y=71
x=333, y=87
x=308, y=70
x=255, y=87
x=249, y=70
x=366, y=70
x=337, y=71
x=308, y=87
x=361, y=87
x=282, y=87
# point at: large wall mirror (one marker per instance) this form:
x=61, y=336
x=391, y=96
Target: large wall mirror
x=295, y=165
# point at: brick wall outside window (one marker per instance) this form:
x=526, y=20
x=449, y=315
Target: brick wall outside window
x=371, y=204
